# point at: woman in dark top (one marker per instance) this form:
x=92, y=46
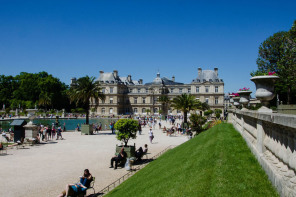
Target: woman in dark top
x=73, y=189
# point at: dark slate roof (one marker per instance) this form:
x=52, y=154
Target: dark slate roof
x=207, y=75
x=163, y=80
x=107, y=78
x=18, y=123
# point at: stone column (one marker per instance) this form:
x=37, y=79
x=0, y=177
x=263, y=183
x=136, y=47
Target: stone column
x=260, y=137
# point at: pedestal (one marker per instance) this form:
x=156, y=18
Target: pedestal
x=31, y=130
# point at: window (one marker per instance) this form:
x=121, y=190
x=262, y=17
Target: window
x=139, y=90
x=144, y=100
x=103, y=90
x=197, y=88
x=216, y=88
x=111, y=111
x=207, y=88
x=111, y=100
x=143, y=110
x=155, y=110
x=216, y=100
x=207, y=100
x=180, y=90
x=135, y=100
x=172, y=90
x=103, y=110
x=135, y=110
x=146, y=90
x=189, y=90
x=111, y=90
x=178, y=111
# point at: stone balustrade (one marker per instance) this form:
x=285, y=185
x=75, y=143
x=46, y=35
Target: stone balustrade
x=272, y=139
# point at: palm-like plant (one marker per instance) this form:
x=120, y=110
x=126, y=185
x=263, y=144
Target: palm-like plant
x=186, y=103
x=44, y=100
x=85, y=91
x=164, y=100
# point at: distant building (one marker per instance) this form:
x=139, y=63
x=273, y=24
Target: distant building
x=127, y=96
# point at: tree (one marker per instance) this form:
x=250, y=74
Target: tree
x=164, y=100
x=218, y=113
x=278, y=54
x=185, y=103
x=126, y=129
x=208, y=113
x=196, y=122
x=85, y=91
x=44, y=100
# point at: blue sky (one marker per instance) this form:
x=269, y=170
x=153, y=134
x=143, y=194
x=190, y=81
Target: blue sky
x=77, y=38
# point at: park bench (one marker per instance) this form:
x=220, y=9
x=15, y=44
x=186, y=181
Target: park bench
x=91, y=186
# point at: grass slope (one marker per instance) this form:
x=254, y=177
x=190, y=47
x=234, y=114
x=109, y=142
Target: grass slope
x=215, y=163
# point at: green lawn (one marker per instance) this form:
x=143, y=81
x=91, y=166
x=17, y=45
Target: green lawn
x=215, y=163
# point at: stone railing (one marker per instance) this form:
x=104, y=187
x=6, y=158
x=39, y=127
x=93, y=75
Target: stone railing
x=272, y=139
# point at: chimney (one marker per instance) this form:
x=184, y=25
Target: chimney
x=199, y=71
x=173, y=78
x=216, y=71
x=115, y=73
x=73, y=81
x=140, y=81
x=129, y=78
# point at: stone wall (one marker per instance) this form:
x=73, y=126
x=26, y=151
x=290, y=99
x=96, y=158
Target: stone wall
x=272, y=139
x=287, y=109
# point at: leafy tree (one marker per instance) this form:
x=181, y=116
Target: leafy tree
x=208, y=113
x=278, y=54
x=186, y=103
x=85, y=91
x=196, y=122
x=126, y=129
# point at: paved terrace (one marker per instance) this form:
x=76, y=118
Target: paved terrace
x=44, y=170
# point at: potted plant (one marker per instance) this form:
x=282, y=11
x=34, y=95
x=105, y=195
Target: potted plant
x=126, y=129
x=244, y=96
x=264, y=88
x=235, y=97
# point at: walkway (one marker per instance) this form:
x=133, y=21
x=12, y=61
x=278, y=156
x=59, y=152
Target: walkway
x=44, y=170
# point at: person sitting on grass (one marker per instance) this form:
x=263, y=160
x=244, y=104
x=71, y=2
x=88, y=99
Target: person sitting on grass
x=1, y=146
x=121, y=157
x=81, y=187
x=140, y=152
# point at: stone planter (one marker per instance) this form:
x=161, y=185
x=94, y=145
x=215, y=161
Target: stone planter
x=264, y=90
x=244, y=98
x=86, y=129
x=236, y=101
x=130, y=150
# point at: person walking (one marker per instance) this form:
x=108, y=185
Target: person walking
x=151, y=136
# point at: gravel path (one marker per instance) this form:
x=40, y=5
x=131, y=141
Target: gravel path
x=45, y=169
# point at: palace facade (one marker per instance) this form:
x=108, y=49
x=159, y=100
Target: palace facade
x=127, y=96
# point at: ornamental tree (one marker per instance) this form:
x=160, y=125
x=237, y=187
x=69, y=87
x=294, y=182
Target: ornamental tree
x=126, y=129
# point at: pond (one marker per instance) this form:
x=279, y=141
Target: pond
x=69, y=123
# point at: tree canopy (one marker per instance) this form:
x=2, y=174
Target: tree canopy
x=86, y=91
x=29, y=89
x=186, y=103
x=278, y=54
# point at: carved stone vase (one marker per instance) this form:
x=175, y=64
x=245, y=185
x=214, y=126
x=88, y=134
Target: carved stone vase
x=265, y=90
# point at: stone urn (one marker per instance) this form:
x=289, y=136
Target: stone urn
x=265, y=90
x=244, y=98
x=236, y=101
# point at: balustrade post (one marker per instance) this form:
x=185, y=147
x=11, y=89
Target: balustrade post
x=260, y=137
